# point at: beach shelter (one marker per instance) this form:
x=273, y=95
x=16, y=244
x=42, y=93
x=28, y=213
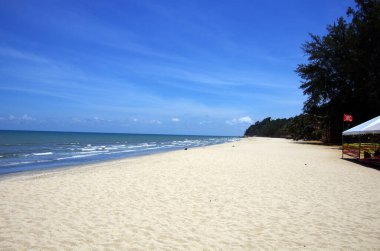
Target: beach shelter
x=363, y=140
x=370, y=127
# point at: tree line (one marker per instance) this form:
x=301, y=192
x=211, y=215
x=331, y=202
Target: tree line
x=298, y=127
x=341, y=76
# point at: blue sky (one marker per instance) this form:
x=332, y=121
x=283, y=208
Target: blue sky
x=174, y=67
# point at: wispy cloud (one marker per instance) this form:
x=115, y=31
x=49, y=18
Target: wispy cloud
x=141, y=64
x=17, y=119
x=136, y=48
x=155, y=121
x=204, y=122
x=89, y=28
x=199, y=78
x=22, y=55
x=242, y=120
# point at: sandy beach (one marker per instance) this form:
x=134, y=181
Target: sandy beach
x=257, y=193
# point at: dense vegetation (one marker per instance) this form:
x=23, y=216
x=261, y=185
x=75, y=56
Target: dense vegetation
x=298, y=127
x=342, y=75
x=268, y=128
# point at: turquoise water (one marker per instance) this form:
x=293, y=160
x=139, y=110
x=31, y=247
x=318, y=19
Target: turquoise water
x=32, y=150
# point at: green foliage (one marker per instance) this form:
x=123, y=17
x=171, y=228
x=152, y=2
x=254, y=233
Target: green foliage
x=268, y=128
x=300, y=127
x=304, y=126
x=342, y=74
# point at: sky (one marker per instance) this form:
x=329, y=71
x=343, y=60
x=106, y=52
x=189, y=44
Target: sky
x=200, y=67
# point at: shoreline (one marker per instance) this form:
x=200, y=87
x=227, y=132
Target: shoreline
x=64, y=166
x=263, y=193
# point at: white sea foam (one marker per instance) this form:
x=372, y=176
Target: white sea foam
x=89, y=149
x=76, y=156
x=147, y=144
x=151, y=148
x=169, y=145
x=100, y=148
x=41, y=154
x=135, y=146
x=90, y=152
x=125, y=151
x=42, y=161
x=16, y=163
x=112, y=148
x=115, y=147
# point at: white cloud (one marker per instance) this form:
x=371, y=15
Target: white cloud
x=241, y=120
x=97, y=119
x=176, y=120
x=16, y=119
x=26, y=117
x=154, y=121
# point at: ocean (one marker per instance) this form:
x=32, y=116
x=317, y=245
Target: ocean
x=35, y=150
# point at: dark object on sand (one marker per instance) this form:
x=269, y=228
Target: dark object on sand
x=367, y=155
x=186, y=148
x=377, y=153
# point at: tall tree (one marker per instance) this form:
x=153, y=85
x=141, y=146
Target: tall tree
x=342, y=74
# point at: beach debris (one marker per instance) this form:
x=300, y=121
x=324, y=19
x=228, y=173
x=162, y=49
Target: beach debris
x=185, y=148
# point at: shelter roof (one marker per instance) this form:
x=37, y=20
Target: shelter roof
x=370, y=127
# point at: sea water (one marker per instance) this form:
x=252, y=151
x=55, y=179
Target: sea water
x=33, y=150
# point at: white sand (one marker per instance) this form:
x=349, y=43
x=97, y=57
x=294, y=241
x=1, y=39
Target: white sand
x=262, y=193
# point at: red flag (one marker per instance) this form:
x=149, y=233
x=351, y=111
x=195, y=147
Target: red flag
x=347, y=118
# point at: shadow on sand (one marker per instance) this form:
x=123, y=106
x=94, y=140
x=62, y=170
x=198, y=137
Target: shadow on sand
x=319, y=143
x=374, y=164
x=365, y=163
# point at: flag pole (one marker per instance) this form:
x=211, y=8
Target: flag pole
x=360, y=142
x=346, y=118
x=342, y=135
